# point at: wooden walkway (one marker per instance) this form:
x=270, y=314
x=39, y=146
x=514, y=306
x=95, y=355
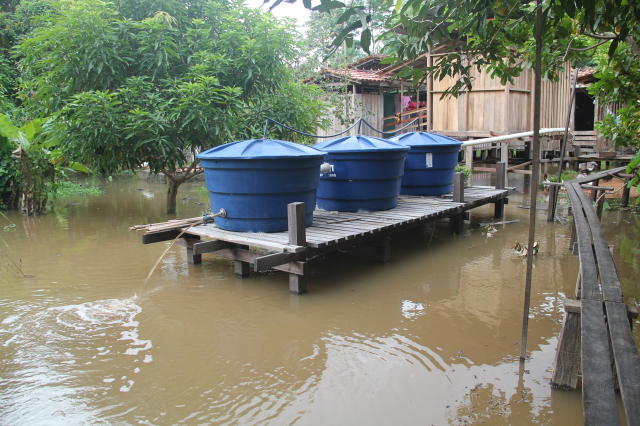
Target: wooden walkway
x=294, y=250
x=596, y=336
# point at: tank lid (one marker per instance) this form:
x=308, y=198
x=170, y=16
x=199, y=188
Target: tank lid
x=425, y=139
x=259, y=149
x=359, y=143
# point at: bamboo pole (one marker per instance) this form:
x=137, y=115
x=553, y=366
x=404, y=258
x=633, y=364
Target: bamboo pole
x=533, y=184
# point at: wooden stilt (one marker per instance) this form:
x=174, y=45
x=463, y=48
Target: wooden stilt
x=572, y=242
x=297, y=236
x=240, y=268
x=551, y=209
x=625, y=194
x=594, y=194
x=297, y=284
x=193, y=259
x=457, y=221
x=383, y=250
x=599, y=202
x=501, y=179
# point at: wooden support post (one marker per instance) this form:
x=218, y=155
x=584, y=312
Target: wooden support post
x=504, y=156
x=457, y=221
x=468, y=157
x=383, y=250
x=192, y=258
x=625, y=194
x=240, y=268
x=599, y=202
x=567, y=361
x=594, y=194
x=551, y=208
x=572, y=242
x=297, y=236
x=501, y=178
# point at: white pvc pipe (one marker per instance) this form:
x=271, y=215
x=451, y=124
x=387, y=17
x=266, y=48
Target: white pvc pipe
x=511, y=136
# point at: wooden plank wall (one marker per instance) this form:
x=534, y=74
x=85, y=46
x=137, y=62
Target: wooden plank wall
x=367, y=105
x=494, y=107
x=555, y=99
x=489, y=107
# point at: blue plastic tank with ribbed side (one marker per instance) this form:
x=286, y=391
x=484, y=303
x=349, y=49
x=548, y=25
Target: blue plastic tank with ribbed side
x=364, y=174
x=430, y=163
x=254, y=180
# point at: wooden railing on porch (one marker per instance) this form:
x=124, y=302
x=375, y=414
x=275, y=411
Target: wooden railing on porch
x=399, y=119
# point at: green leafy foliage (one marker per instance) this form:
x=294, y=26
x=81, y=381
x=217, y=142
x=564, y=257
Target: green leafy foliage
x=153, y=82
x=68, y=189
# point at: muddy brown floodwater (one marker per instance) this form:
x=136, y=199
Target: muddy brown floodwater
x=430, y=338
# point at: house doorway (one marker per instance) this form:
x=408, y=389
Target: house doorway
x=585, y=110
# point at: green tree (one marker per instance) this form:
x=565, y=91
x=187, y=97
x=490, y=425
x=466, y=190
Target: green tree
x=154, y=82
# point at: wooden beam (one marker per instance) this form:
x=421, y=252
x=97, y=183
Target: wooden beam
x=156, y=237
x=268, y=261
x=210, y=246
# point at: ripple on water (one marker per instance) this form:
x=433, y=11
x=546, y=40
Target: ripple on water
x=40, y=364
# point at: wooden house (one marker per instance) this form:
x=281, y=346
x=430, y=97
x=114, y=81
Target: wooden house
x=373, y=91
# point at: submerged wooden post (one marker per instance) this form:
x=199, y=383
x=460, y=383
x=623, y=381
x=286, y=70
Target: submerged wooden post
x=600, y=198
x=194, y=259
x=551, y=208
x=383, y=250
x=457, y=221
x=241, y=269
x=298, y=237
x=594, y=194
x=501, y=179
x=624, y=202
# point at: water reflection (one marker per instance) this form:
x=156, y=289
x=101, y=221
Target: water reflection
x=430, y=337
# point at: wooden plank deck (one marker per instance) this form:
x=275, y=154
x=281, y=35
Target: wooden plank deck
x=331, y=228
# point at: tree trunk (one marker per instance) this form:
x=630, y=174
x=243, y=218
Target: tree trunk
x=172, y=194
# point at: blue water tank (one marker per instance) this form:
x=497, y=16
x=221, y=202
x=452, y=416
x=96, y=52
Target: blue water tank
x=364, y=175
x=430, y=164
x=254, y=180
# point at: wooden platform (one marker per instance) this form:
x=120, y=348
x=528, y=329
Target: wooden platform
x=331, y=228
x=293, y=251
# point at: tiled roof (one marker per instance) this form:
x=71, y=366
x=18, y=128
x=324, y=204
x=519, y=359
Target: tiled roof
x=586, y=75
x=357, y=75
